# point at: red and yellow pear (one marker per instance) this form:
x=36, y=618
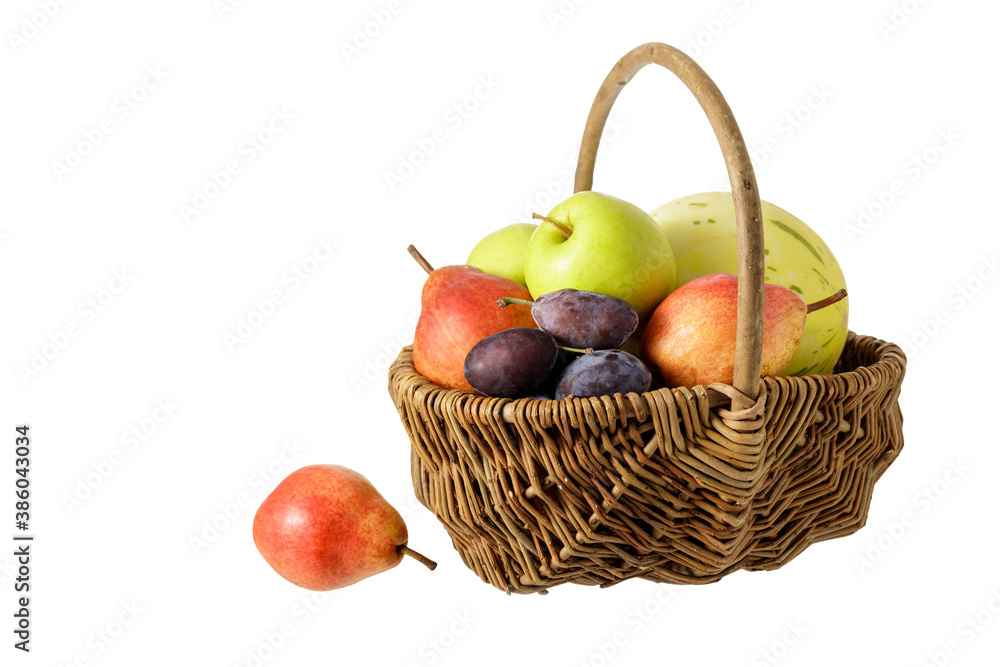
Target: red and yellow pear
x=325, y=527
x=458, y=309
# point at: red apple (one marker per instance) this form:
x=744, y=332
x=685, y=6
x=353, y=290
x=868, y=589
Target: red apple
x=691, y=338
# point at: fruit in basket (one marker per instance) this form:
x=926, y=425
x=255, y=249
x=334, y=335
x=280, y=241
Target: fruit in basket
x=691, y=338
x=702, y=232
x=458, y=309
x=502, y=252
x=326, y=527
x=511, y=363
x=582, y=319
x=603, y=373
x=600, y=243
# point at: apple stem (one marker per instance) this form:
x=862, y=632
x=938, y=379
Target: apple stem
x=507, y=300
x=407, y=551
x=421, y=260
x=588, y=351
x=823, y=303
x=564, y=228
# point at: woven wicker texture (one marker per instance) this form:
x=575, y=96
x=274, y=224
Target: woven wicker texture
x=670, y=486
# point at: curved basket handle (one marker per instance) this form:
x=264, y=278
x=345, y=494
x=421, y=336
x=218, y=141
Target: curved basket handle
x=750, y=234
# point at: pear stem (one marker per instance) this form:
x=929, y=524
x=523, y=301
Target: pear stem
x=823, y=303
x=407, y=551
x=588, y=351
x=507, y=300
x=564, y=228
x=421, y=260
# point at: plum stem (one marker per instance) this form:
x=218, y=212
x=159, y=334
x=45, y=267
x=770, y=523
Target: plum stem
x=823, y=303
x=588, y=351
x=564, y=228
x=507, y=300
x=421, y=260
x=407, y=551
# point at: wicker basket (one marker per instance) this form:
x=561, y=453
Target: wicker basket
x=680, y=485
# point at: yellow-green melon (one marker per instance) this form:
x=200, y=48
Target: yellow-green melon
x=702, y=232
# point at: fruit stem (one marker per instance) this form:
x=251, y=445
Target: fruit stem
x=407, y=551
x=421, y=260
x=564, y=228
x=823, y=303
x=588, y=351
x=507, y=300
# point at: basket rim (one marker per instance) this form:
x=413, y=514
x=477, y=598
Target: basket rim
x=889, y=357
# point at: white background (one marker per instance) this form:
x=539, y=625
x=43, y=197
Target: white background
x=865, y=98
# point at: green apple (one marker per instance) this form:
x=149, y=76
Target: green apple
x=702, y=231
x=501, y=253
x=603, y=244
